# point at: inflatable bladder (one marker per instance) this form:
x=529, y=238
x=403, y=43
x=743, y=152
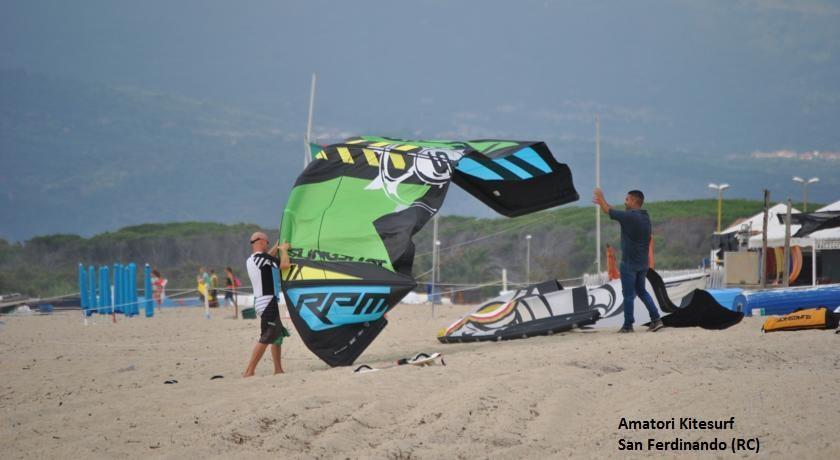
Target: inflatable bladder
x=784, y=301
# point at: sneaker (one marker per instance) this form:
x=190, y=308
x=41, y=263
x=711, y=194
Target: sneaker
x=625, y=330
x=655, y=325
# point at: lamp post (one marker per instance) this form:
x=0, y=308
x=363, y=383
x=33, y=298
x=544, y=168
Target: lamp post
x=307, y=149
x=597, y=185
x=528, y=259
x=805, y=184
x=437, y=262
x=435, y=246
x=720, y=188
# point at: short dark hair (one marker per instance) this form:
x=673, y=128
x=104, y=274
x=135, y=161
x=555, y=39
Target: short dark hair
x=637, y=194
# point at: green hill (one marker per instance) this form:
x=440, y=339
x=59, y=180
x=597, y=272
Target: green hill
x=473, y=250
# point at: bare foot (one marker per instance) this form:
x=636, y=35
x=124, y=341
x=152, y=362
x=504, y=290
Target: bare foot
x=279, y=372
x=247, y=374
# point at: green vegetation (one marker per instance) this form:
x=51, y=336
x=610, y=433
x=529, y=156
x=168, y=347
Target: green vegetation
x=473, y=250
x=563, y=240
x=47, y=265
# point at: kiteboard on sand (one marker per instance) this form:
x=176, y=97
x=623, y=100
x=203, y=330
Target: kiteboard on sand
x=419, y=360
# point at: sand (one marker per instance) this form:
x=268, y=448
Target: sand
x=97, y=391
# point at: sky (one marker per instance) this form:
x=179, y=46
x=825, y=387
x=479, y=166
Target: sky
x=711, y=79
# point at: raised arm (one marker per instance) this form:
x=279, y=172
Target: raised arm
x=285, y=263
x=598, y=198
x=280, y=255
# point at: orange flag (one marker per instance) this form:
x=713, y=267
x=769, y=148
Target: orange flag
x=612, y=267
x=650, y=252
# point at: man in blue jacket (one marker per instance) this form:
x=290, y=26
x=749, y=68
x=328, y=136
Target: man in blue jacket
x=635, y=241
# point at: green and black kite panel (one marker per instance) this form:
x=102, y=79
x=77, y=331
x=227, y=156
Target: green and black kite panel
x=353, y=212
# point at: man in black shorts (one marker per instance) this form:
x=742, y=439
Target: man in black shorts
x=259, y=266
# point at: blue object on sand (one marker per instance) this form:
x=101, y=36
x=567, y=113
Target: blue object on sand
x=83, y=287
x=784, y=301
x=147, y=288
x=725, y=297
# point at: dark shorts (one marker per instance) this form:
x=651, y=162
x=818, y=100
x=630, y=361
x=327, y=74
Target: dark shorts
x=271, y=329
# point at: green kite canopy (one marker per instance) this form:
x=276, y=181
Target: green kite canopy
x=353, y=211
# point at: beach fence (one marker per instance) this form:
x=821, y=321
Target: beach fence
x=714, y=278
x=114, y=290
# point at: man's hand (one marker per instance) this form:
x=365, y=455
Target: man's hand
x=275, y=249
x=598, y=198
x=285, y=262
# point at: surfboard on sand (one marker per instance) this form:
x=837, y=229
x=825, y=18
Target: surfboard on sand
x=419, y=360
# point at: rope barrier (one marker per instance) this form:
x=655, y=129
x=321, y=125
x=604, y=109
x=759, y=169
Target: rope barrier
x=514, y=227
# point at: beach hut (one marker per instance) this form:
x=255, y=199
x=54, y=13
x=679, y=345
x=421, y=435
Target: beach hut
x=824, y=244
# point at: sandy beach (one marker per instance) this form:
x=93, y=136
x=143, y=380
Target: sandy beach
x=97, y=391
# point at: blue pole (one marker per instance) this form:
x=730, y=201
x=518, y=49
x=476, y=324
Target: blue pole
x=147, y=285
x=104, y=291
x=91, y=287
x=132, y=288
x=125, y=292
x=132, y=275
x=117, y=307
x=82, y=287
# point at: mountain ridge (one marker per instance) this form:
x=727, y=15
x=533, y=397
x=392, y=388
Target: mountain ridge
x=84, y=157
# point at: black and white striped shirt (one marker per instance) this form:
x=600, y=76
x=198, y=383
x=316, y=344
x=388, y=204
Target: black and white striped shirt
x=259, y=266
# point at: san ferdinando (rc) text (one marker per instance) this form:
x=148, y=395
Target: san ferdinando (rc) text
x=693, y=424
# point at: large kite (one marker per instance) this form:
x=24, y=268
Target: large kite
x=353, y=211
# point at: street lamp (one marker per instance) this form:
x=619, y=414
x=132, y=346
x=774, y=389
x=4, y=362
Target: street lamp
x=433, y=298
x=720, y=188
x=527, y=259
x=805, y=189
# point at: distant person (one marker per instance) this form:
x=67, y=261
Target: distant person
x=272, y=332
x=158, y=285
x=202, y=282
x=635, y=239
x=205, y=278
x=214, y=289
x=612, y=266
x=650, y=253
x=231, y=283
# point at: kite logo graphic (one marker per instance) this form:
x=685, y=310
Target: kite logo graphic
x=603, y=299
x=325, y=308
x=315, y=254
x=432, y=166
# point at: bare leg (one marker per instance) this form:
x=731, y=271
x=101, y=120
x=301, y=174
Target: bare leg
x=275, y=356
x=256, y=355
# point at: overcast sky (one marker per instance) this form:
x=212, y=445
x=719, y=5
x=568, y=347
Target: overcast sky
x=719, y=78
